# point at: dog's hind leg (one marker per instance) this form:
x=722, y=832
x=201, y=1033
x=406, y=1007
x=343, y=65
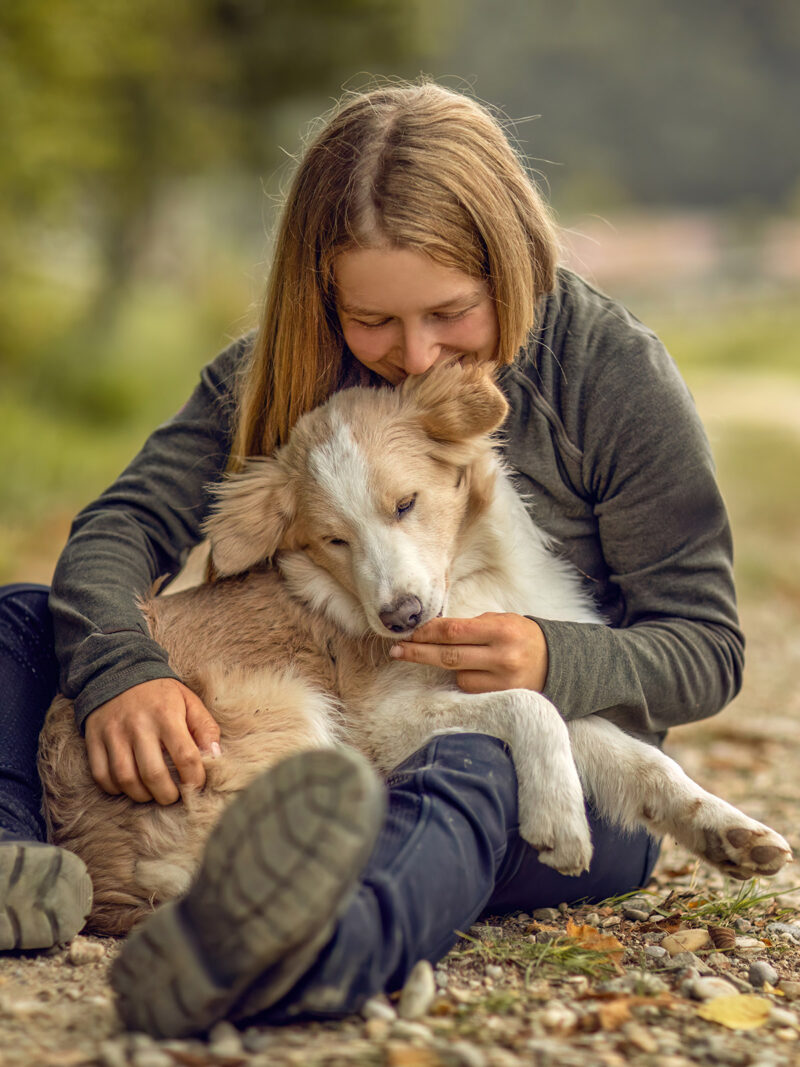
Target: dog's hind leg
x=552, y=815
x=633, y=784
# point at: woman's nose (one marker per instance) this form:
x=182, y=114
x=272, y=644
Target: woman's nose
x=420, y=351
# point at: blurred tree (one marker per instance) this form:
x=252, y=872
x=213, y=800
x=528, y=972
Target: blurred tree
x=680, y=103
x=105, y=101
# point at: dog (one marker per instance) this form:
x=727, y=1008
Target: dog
x=386, y=508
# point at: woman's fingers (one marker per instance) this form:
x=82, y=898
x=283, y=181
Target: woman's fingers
x=490, y=652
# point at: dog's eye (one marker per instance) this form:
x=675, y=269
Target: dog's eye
x=405, y=505
x=336, y=541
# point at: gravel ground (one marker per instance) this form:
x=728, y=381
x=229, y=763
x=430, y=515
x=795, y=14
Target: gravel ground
x=522, y=990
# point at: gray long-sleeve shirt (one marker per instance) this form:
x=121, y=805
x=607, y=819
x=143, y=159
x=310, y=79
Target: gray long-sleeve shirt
x=605, y=444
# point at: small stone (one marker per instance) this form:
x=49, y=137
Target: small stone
x=636, y=915
x=686, y=960
x=782, y=1017
x=151, y=1057
x=742, y=925
x=686, y=941
x=225, y=1040
x=493, y=971
x=467, y=1054
x=749, y=946
x=787, y=931
x=761, y=973
x=557, y=1018
x=377, y=1029
x=379, y=1008
x=639, y=983
x=113, y=1054
x=592, y=919
x=418, y=992
x=441, y=977
x=256, y=1040
x=655, y=952
x=640, y=1037
x=790, y=989
x=612, y=920
x=407, y=1030
x=709, y=988
x=547, y=915
x=82, y=952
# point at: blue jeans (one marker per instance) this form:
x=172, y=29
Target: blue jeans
x=449, y=850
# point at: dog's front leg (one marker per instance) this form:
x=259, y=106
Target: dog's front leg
x=634, y=784
x=552, y=814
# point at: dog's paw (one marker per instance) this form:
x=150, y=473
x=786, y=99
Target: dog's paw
x=745, y=849
x=566, y=847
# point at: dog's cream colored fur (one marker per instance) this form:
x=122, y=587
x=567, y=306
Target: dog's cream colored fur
x=386, y=508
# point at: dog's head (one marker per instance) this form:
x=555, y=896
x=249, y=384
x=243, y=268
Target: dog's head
x=365, y=505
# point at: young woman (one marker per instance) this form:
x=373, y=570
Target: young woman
x=411, y=234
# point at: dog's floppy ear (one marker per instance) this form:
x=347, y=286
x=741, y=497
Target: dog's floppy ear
x=457, y=401
x=254, y=508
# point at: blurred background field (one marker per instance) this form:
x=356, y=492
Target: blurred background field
x=146, y=146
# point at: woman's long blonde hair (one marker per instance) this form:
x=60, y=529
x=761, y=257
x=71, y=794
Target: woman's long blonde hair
x=415, y=166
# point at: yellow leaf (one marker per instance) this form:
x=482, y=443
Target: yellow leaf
x=740, y=1011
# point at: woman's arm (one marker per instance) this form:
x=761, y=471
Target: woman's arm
x=135, y=533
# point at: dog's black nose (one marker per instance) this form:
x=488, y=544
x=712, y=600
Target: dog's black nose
x=403, y=615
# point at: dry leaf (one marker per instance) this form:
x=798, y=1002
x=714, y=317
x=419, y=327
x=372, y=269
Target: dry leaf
x=614, y=1013
x=741, y=1011
x=590, y=937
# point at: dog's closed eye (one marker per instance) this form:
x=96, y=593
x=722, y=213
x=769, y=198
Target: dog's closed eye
x=336, y=541
x=405, y=505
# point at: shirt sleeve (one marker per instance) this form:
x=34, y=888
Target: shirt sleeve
x=137, y=531
x=674, y=651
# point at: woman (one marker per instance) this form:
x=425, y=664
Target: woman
x=411, y=234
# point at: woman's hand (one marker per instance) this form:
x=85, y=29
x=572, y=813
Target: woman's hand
x=490, y=652
x=126, y=739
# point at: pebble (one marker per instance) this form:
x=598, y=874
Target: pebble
x=407, y=1030
x=742, y=925
x=113, y=1054
x=494, y=971
x=441, y=977
x=640, y=1037
x=377, y=1029
x=687, y=960
x=255, y=1039
x=655, y=952
x=82, y=952
x=784, y=930
x=151, y=1057
x=640, y=983
x=749, y=946
x=636, y=915
x=708, y=988
x=418, y=992
x=378, y=1008
x=687, y=941
x=782, y=1017
x=612, y=920
x=558, y=1019
x=225, y=1040
x=761, y=973
x=789, y=989
x=592, y=919
x=547, y=915
x=467, y=1054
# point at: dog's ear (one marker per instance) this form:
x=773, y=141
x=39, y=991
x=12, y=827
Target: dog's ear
x=253, y=511
x=457, y=401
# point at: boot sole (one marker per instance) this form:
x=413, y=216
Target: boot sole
x=276, y=870
x=45, y=895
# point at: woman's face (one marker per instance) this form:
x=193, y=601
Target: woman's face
x=401, y=312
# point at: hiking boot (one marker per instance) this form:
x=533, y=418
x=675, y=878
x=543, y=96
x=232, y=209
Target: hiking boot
x=277, y=869
x=45, y=894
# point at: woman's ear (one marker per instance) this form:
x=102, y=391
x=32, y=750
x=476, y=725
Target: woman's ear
x=457, y=401
x=252, y=513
